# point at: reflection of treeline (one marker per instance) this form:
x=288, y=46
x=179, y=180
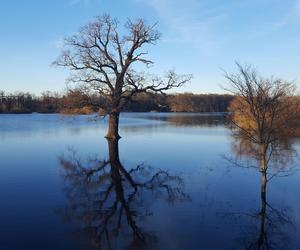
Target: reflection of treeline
x=193, y=119
x=78, y=102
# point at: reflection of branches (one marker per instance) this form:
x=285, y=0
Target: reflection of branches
x=270, y=231
x=282, y=172
x=265, y=229
x=236, y=163
x=274, y=162
x=277, y=170
x=109, y=200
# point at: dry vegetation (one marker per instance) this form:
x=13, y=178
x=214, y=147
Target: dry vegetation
x=265, y=118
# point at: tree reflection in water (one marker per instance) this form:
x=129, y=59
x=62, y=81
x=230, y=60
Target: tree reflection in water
x=109, y=201
x=192, y=119
x=271, y=232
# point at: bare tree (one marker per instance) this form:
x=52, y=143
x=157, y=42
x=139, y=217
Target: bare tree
x=102, y=55
x=265, y=114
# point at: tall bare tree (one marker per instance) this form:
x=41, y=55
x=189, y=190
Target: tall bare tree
x=102, y=56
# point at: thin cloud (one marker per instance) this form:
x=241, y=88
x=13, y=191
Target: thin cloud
x=190, y=22
x=84, y=2
x=292, y=15
x=207, y=26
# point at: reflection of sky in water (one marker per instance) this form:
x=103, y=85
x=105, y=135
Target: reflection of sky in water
x=31, y=185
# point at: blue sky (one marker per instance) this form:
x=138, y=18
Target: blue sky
x=200, y=37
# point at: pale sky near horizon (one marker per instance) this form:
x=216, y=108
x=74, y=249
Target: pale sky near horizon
x=200, y=37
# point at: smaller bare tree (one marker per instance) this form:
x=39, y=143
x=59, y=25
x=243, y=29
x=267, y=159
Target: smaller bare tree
x=102, y=56
x=265, y=114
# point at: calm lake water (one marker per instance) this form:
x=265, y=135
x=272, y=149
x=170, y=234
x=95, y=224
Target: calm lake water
x=174, y=181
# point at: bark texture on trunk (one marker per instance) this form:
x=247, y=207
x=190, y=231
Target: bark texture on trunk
x=113, y=150
x=113, y=126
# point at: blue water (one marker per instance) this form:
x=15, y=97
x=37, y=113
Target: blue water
x=220, y=210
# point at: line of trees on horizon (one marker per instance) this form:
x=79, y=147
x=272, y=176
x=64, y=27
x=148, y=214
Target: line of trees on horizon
x=77, y=102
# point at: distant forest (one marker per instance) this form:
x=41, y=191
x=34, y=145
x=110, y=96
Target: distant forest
x=75, y=102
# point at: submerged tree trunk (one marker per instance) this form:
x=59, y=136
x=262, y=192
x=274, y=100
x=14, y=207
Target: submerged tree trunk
x=264, y=183
x=264, y=186
x=113, y=126
x=264, y=167
x=262, y=214
x=113, y=150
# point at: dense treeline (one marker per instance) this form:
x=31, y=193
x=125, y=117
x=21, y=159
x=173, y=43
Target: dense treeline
x=19, y=102
x=189, y=102
x=76, y=102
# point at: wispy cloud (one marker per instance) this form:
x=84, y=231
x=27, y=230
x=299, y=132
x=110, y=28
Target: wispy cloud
x=209, y=24
x=84, y=2
x=190, y=22
x=292, y=15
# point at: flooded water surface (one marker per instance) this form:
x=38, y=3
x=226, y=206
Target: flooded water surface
x=173, y=181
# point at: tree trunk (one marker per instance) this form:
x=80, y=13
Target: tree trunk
x=264, y=186
x=264, y=173
x=113, y=126
x=113, y=150
x=262, y=214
